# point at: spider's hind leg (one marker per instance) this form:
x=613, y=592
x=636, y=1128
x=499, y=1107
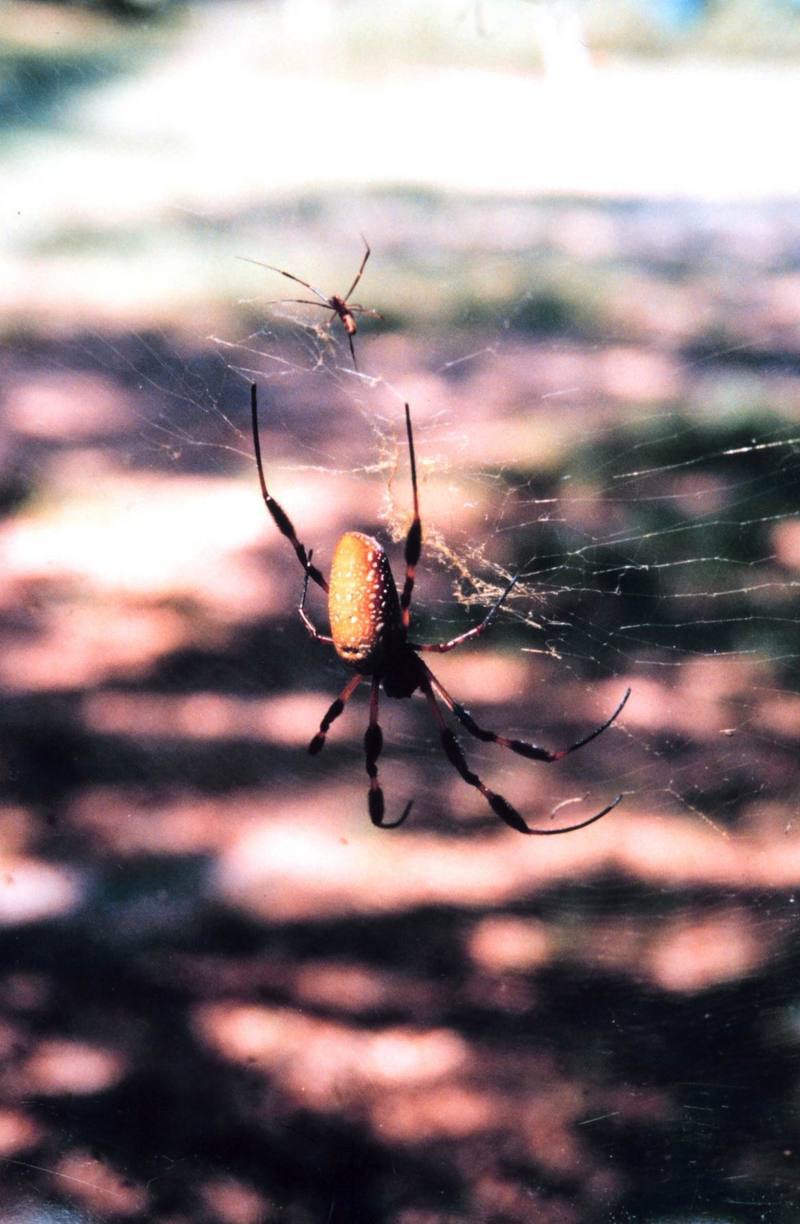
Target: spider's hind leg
x=373, y=744
x=532, y=751
x=352, y=350
x=500, y=806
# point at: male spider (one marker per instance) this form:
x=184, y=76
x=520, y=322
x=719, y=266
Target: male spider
x=369, y=631
x=340, y=306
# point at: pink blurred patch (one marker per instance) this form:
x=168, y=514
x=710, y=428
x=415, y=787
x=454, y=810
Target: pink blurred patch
x=17, y=1132
x=16, y=829
x=64, y=405
x=290, y=719
x=499, y=1198
x=547, y=1126
x=786, y=542
x=697, y=953
x=322, y=1064
x=779, y=713
x=232, y=1202
x=128, y=822
x=59, y=1067
x=82, y=645
x=97, y=1186
x=31, y=891
x=102, y=535
x=502, y=945
x=704, y=700
x=638, y=375
x=296, y=864
x=447, y=1111
x=484, y=675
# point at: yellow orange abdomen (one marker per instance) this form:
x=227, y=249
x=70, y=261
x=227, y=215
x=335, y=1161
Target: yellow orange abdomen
x=363, y=607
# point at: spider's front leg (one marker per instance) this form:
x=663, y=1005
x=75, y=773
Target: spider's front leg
x=279, y=516
x=332, y=713
x=475, y=631
x=305, y=618
x=414, y=537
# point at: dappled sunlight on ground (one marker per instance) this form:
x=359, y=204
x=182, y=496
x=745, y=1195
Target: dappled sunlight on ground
x=85, y=645
x=58, y=1068
x=693, y=954
x=98, y=1186
x=510, y=944
x=787, y=543
x=319, y=1061
x=18, y=1132
x=32, y=891
x=289, y=719
x=234, y=1202
x=294, y=867
x=105, y=537
x=119, y=822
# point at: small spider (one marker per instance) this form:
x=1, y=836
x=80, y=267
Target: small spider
x=341, y=307
x=369, y=631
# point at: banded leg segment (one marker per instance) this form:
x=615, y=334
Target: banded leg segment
x=373, y=744
x=361, y=268
x=289, y=276
x=532, y=751
x=305, y=618
x=500, y=806
x=333, y=712
x=349, y=325
x=476, y=630
x=414, y=537
x=279, y=515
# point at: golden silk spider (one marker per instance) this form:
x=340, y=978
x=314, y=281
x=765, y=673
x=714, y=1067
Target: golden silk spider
x=340, y=306
x=369, y=631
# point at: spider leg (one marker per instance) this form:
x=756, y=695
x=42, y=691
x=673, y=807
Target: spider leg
x=360, y=272
x=477, y=630
x=414, y=537
x=373, y=743
x=356, y=309
x=305, y=618
x=289, y=276
x=279, y=516
x=352, y=350
x=500, y=806
x=333, y=712
x=521, y=747
x=298, y=302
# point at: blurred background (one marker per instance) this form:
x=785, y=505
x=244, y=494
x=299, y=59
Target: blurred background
x=225, y=998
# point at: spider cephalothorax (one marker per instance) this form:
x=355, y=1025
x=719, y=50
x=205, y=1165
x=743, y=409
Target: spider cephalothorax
x=369, y=631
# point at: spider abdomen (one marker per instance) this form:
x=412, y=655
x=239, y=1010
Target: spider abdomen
x=363, y=607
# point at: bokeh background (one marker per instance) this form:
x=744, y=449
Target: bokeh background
x=224, y=997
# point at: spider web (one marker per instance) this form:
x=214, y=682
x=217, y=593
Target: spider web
x=639, y=484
